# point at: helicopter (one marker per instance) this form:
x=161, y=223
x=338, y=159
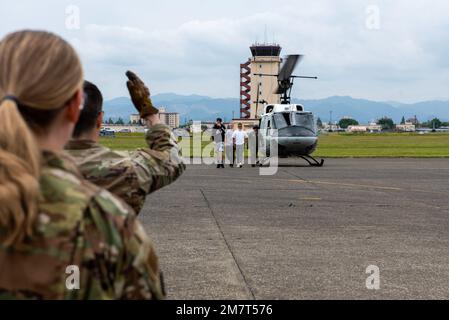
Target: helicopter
x=297, y=134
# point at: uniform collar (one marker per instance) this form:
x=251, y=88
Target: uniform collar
x=81, y=144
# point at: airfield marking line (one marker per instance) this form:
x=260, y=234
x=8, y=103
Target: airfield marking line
x=312, y=182
x=349, y=185
x=328, y=183
x=338, y=183
x=301, y=178
x=228, y=245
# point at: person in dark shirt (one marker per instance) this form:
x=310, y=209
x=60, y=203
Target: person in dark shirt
x=218, y=136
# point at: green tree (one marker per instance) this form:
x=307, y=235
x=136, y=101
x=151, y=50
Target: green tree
x=346, y=122
x=120, y=121
x=319, y=123
x=403, y=120
x=386, y=123
x=435, y=123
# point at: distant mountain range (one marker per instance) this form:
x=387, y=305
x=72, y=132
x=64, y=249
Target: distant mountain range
x=204, y=108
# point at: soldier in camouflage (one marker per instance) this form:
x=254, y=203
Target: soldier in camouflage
x=52, y=220
x=80, y=224
x=131, y=176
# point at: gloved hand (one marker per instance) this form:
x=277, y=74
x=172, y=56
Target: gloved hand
x=140, y=95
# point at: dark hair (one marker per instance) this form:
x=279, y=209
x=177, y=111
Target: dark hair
x=93, y=105
x=37, y=119
x=219, y=120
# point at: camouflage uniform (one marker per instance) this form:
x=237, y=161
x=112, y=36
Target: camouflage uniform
x=131, y=176
x=79, y=224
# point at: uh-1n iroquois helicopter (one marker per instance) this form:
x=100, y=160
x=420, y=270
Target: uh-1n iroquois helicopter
x=288, y=125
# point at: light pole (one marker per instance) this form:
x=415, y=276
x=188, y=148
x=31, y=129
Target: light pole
x=330, y=121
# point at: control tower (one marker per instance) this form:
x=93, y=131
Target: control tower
x=255, y=90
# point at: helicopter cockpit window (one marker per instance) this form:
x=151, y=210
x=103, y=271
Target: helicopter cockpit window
x=281, y=120
x=304, y=120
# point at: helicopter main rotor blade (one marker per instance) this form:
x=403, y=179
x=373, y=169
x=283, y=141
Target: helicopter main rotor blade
x=289, y=66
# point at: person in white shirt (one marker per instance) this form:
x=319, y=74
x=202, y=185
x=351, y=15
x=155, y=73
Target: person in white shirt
x=229, y=146
x=239, y=137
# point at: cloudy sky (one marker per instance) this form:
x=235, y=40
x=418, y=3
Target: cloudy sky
x=373, y=49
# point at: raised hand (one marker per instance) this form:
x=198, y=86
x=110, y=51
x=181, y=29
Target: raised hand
x=140, y=95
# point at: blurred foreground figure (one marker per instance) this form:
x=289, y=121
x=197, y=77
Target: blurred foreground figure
x=61, y=237
x=130, y=176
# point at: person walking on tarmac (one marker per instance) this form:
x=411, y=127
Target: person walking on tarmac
x=239, y=135
x=229, y=146
x=218, y=136
x=253, y=146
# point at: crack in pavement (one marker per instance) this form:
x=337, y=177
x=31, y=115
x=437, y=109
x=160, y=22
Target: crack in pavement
x=228, y=246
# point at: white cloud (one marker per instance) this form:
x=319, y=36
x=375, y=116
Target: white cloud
x=197, y=47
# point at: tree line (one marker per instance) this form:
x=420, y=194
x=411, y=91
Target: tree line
x=118, y=121
x=388, y=123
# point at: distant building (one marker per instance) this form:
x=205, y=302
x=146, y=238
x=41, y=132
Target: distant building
x=406, y=127
x=122, y=128
x=331, y=127
x=413, y=120
x=135, y=119
x=372, y=127
x=171, y=119
x=357, y=128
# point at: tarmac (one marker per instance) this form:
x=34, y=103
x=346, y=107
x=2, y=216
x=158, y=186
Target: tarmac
x=305, y=232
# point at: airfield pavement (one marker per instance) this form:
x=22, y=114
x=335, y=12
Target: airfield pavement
x=305, y=233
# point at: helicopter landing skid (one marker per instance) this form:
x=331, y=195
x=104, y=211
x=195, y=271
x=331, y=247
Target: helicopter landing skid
x=313, y=162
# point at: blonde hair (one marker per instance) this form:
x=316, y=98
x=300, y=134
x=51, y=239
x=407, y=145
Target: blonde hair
x=39, y=72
